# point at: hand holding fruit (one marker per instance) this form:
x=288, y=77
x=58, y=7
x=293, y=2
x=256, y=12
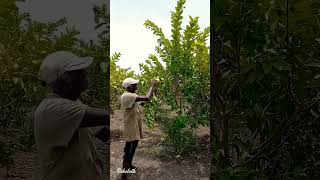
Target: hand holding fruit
x=154, y=82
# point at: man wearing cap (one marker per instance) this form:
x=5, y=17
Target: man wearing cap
x=132, y=116
x=61, y=121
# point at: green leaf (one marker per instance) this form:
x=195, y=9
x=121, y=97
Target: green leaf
x=317, y=76
x=104, y=67
x=317, y=65
x=282, y=65
x=267, y=68
x=15, y=80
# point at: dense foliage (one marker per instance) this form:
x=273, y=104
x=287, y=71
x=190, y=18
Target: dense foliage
x=181, y=64
x=265, y=64
x=24, y=43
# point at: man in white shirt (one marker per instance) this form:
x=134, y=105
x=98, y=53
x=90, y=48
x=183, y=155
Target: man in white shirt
x=133, y=118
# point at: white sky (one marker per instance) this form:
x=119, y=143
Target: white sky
x=132, y=39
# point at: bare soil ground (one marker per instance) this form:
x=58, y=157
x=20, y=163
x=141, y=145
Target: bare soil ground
x=150, y=165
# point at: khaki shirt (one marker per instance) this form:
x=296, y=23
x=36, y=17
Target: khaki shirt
x=66, y=151
x=132, y=117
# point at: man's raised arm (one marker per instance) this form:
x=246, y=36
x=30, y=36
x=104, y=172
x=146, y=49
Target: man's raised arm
x=95, y=117
x=149, y=94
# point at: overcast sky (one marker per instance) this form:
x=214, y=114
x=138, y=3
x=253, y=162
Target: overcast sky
x=132, y=39
x=78, y=13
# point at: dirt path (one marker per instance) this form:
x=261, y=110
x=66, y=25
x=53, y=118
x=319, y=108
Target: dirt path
x=150, y=166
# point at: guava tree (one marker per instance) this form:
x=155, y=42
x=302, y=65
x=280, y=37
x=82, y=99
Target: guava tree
x=182, y=64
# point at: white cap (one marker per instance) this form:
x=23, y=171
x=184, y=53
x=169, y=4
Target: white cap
x=128, y=81
x=57, y=63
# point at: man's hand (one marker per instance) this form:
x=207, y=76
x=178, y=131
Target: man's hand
x=154, y=83
x=141, y=135
x=150, y=92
